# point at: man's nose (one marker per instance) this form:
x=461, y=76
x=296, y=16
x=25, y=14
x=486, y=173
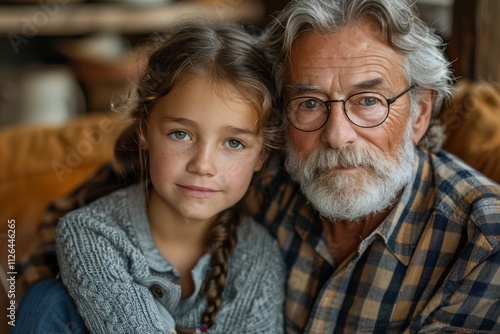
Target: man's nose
x=203, y=161
x=338, y=131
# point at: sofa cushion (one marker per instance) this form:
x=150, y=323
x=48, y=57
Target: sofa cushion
x=40, y=163
x=473, y=126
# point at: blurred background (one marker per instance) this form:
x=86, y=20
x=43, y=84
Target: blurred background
x=62, y=62
x=63, y=58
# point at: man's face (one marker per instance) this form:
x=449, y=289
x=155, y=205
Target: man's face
x=362, y=169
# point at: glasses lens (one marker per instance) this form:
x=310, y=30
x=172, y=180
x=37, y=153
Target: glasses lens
x=367, y=109
x=307, y=113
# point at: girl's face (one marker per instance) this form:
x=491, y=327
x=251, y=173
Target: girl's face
x=203, y=149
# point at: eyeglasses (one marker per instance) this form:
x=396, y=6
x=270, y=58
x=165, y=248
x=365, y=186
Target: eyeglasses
x=365, y=110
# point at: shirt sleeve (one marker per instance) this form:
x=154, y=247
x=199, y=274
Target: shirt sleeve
x=267, y=312
x=94, y=261
x=261, y=285
x=468, y=299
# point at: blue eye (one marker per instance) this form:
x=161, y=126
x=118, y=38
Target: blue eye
x=366, y=99
x=234, y=144
x=370, y=101
x=310, y=104
x=180, y=135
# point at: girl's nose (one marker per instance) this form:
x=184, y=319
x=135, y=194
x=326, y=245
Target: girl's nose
x=203, y=161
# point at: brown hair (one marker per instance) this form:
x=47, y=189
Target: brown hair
x=226, y=53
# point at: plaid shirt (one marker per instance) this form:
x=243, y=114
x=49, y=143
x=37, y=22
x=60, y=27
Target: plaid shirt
x=431, y=266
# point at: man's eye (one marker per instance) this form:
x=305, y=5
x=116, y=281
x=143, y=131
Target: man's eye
x=310, y=104
x=234, y=144
x=180, y=135
x=369, y=101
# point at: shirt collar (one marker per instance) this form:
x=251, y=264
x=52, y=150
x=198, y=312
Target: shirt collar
x=308, y=225
x=137, y=212
x=401, y=230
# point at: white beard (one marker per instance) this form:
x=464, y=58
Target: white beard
x=351, y=196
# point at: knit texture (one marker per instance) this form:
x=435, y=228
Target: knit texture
x=121, y=283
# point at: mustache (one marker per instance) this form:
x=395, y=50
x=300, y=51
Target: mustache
x=326, y=159
x=342, y=158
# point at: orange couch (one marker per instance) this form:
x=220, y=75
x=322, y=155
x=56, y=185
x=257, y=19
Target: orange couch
x=473, y=126
x=40, y=163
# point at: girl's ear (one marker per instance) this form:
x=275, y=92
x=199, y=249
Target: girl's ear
x=143, y=140
x=421, y=123
x=262, y=159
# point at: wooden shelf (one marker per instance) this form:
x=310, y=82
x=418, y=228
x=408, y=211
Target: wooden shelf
x=77, y=19
x=443, y=3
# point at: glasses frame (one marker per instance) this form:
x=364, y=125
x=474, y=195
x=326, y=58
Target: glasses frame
x=328, y=107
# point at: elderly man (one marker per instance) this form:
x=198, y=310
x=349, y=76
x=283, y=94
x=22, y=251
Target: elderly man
x=381, y=231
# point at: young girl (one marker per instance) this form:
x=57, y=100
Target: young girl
x=173, y=253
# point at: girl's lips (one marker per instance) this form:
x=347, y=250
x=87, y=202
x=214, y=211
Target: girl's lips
x=197, y=192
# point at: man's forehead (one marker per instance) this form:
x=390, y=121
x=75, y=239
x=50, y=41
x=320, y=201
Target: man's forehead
x=355, y=54
x=364, y=84
x=349, y=43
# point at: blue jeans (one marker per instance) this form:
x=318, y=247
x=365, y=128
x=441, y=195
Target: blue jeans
x=48, y=308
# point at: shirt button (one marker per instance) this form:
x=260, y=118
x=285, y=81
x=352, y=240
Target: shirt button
x=157, y=291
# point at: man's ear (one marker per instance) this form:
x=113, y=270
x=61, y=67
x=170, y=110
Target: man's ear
x=421, y=123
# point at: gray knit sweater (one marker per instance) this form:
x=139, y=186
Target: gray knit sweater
x=121, y=284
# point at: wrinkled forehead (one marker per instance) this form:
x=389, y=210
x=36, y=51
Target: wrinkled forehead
x=362, y=38
x=358, y=52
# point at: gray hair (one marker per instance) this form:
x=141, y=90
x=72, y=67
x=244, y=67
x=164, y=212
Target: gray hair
x=424, y=61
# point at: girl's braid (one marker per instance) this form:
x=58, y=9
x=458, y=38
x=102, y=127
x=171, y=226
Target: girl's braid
x=221, y=240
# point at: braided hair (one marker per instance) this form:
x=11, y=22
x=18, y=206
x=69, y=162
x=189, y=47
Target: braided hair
x=226, y=52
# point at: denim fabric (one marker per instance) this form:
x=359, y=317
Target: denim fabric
x=48, y=308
